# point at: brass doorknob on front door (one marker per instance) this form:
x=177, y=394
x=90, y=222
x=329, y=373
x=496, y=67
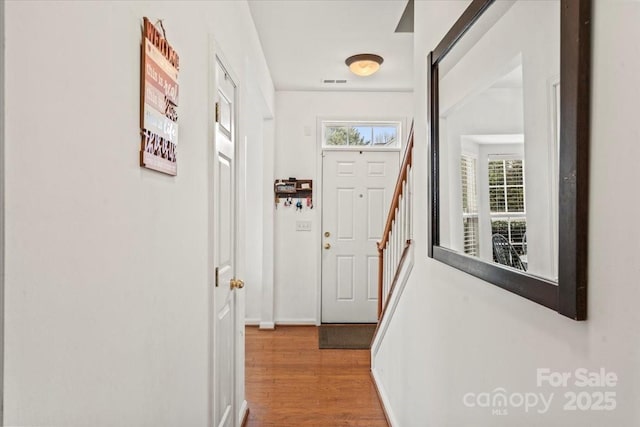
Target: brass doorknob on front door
x=237, y=284
x=327, y=245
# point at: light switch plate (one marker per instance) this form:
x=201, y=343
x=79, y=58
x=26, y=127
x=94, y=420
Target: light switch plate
x=303, y=225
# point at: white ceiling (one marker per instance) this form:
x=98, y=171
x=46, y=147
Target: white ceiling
x=307, y=41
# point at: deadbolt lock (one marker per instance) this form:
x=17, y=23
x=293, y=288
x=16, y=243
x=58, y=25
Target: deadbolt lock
x=327, y=234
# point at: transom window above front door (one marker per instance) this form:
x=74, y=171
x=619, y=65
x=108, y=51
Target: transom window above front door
x=361, y=135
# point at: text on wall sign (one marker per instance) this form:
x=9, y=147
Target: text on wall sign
x=159, y=101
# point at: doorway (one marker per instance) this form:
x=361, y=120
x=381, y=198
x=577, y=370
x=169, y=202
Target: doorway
x=357, y=189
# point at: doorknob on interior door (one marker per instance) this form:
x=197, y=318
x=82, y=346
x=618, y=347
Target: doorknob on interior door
x=236, y=284
x=327, y=245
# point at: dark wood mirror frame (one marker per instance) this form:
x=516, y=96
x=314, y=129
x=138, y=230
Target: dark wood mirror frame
x=569, y=296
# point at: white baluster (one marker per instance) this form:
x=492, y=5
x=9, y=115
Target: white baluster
x=400, y=225
x=410, y=210
x=388, y=266
x=403, y=217
x=399, y=238
x=392, y=240
x=405, y=208
x=395, y=248
x=384, y=275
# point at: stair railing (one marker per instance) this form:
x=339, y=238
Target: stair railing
x=397, y=234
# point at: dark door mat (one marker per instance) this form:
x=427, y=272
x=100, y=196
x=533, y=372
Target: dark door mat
x=346, y=336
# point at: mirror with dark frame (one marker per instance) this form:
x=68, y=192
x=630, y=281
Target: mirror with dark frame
x=509, y=117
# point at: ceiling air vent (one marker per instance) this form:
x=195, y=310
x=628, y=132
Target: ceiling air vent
x=333, y=81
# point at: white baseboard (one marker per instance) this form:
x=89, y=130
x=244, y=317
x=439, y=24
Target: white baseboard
x=284, y=322
x=267, y=325
x=296, y=322
x=384, y=398
x=252, y=322
x=244, y=408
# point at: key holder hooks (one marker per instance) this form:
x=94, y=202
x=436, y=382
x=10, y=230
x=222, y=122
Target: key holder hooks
x=292, y=188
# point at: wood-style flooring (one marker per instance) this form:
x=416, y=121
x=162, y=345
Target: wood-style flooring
x=290, y=382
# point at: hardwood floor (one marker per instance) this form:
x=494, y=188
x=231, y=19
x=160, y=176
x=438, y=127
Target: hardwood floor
x=290, y=382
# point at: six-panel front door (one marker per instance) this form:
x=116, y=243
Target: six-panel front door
x=357, y=191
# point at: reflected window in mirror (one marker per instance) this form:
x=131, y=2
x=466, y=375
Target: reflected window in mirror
x=470, y=219
x=496, y=123
x=515, y=51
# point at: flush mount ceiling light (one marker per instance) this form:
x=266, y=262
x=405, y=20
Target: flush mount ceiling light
x=364, y=64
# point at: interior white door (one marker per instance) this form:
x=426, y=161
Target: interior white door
x=224, y=252
x=357, y=191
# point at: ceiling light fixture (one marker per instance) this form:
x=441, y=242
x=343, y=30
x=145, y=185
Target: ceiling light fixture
x=364, y=64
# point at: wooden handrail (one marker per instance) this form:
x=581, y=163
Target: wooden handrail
x=404, y=170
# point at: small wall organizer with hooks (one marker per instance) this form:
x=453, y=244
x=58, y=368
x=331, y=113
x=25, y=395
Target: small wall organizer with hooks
x=294, y=192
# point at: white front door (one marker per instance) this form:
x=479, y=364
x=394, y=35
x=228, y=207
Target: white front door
x=224, y=251
x=357, y=191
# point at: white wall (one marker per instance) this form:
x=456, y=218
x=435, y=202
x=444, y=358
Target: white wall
x=253, y=209
x=258, y=143
x=297, y=268
x=2, y=162
x=107, y=279
x=454, y=334
x=266, y=302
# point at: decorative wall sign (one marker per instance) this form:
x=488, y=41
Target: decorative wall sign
x=159, y=91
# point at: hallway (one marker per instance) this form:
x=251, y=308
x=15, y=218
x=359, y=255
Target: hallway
x=290, y=382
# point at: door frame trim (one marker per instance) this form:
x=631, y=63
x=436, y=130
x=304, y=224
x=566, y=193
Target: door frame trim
x=318, y=187
x=2, y=196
